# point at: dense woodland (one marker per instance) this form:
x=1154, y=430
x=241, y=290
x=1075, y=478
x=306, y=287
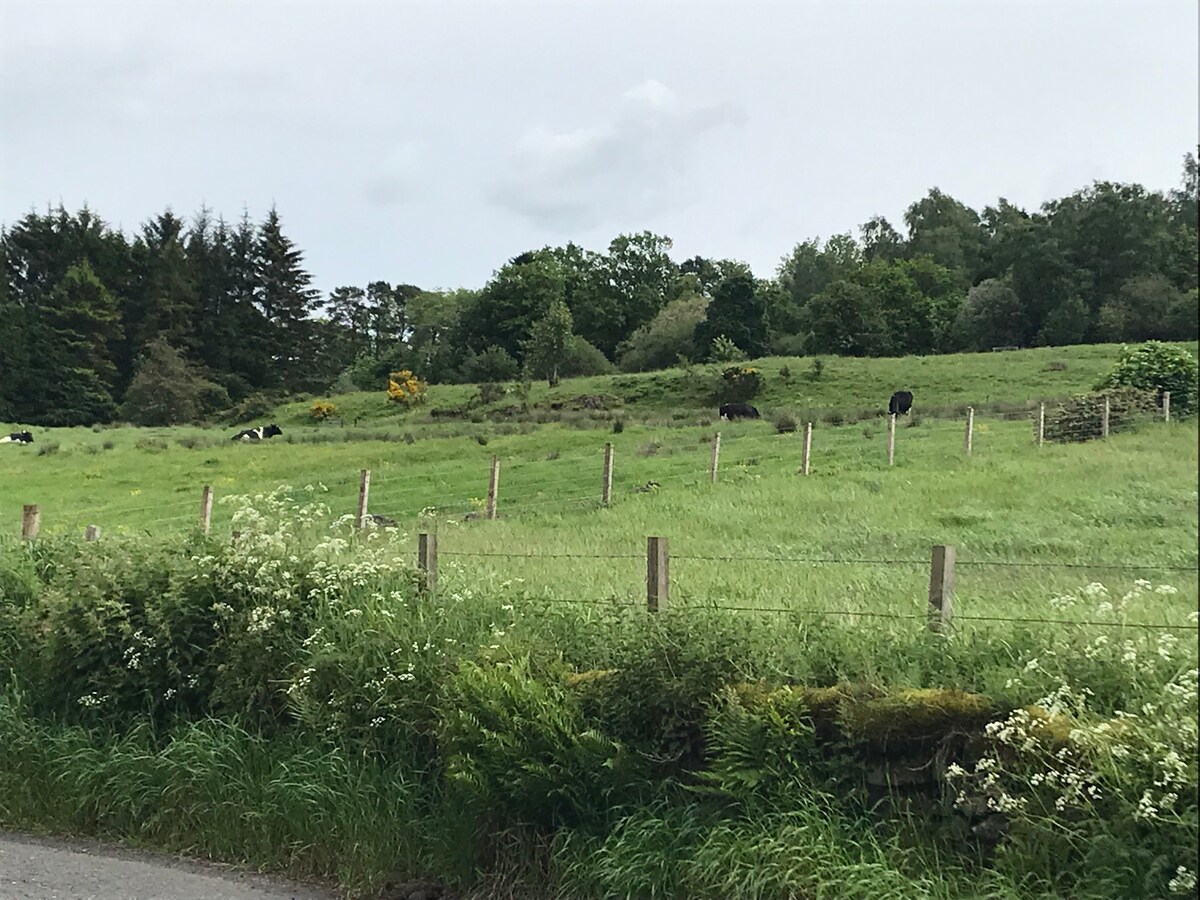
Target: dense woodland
x=93, y=322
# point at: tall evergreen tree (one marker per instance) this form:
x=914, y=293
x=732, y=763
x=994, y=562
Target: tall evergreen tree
x=286, y=300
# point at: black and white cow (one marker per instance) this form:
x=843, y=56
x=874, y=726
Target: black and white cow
x=900, y=403
x=262, y=432
x=17, y=437
x=738, y=411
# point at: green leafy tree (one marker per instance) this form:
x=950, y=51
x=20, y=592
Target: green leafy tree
x=167, y=391
x=991, y=316
x=1155, y=366
x=738, y=313
x=549, y=340
x=1066, y=324
x=667, y=337
x=846, y=319
x=948, y=232
x=518, y=294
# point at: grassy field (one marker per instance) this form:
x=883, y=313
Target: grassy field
x=290, y=701
x=854, y=536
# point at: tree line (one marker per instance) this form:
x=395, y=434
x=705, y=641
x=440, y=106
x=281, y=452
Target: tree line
x=95, y=325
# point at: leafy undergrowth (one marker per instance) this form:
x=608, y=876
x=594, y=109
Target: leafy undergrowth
x=293, y=701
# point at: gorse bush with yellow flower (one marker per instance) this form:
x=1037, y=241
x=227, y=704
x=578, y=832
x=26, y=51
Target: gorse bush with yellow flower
x=406, y=388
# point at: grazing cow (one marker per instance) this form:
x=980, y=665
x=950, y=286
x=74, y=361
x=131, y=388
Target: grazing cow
x=17, y=437
x=900, y=403
x=738, y=411
x=262, y=432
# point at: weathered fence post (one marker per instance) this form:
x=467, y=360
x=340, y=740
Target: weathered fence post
x=31, y=519
x=206, y=498
x=1166, y=406
x=364, y=490
x=941, y=587
x=1041, y=424
x=891, y=438
x=967, y=441
x=493, y=488
x=1104, y=423
x=716, y=458
x=606, y=486
x=807, y=453
x=427, y=562
x=657, y=576
x=91, y=533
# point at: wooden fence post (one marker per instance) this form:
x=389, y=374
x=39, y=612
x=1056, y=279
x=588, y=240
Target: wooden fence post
x=364, y=490
x=493, y=488
x=891, y=438
x=657, y=575
x=427, y=562
x=606, y=487
x=206, y=498
x=1041, y=424
x=716, y=458
x=1166, y=406
x=970, y=436
x=941, y=587
x=91, y=533
x=31, y=520
x=807, y=453
x=1104, y=423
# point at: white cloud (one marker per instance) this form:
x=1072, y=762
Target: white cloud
x=634, y=164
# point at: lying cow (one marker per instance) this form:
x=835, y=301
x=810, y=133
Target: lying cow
x=738, y=411
x=262, y=432
x=900, y=403
x=17, y=437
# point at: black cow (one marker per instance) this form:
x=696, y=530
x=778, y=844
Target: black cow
x=262, y=432
x=900, y=403
x=738, y=411
x=17, y=437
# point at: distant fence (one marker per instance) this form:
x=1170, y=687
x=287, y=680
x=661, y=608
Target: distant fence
x=489, y=507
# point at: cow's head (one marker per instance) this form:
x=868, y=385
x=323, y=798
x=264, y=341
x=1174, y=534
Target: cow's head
x=272, y=430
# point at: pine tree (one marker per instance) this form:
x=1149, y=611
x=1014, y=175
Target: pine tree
x=286, y=300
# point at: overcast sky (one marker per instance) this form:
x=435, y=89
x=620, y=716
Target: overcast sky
x=428, y=142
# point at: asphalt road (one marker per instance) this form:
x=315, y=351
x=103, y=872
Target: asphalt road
x=47, y=869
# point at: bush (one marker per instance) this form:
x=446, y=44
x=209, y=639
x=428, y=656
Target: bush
x=1155, y=366
x=490, y=392
x=583, y=359
x=166, y=391
x=738, y=384
x=492, y=365
x=667, y=338
x=406, y=388
x=725, y=350
x=785, y=422
x=322, y=410
x=1081, y=417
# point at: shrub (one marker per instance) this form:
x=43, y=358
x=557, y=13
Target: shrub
x=406, y=388
x=490, y=392
x=492, y=365
x=582, y=359
x=725, y=350
x=815, y=368
x=667, y=338
x=1081, y=417
x=166, y=391
x=1155, y=366
x=618, y=426
x=785, y=422
x=739, y=384
x=322, y=410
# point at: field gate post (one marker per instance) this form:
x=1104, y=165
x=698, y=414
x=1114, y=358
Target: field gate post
x=941, y=587
x=657, y=574
x=364, y=490
x=91, y=533
x=1041, y=424
x=1166, y=406
x=31, y=520
x=427, y=562
x=493, y=488
x=967, y=441
x=716, y=458
x=1105, y=422
x=891, y=438
x=206, y=500
x=606, y=486
x=807, y=453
